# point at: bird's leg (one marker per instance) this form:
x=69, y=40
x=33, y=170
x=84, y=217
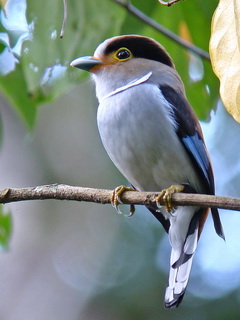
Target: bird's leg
x=116, y=199
x=166, y=195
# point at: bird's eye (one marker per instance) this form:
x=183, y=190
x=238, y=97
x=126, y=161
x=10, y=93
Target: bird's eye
x=123, y=54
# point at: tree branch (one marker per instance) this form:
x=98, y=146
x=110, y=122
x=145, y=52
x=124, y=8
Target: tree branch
x=65, y=192
x=64, y=19
x=141, y=16
x=168, y=3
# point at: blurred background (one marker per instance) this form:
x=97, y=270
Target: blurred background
x=69, y=260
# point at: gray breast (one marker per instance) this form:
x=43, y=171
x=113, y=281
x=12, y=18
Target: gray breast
x=138, y=133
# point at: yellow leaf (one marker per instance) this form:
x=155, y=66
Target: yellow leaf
x=225, y=53
x=2, y=3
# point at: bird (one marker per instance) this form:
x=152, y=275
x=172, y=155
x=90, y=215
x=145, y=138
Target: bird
x=154, y=138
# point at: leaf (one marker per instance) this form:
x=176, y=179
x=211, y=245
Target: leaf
x=5, y=228
x=46, y=58
x=225, y=53
x=34, y=62
x=14, y=87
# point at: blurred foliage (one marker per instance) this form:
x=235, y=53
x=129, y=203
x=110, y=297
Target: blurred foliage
x=42, y=72
x=5, y=228
x=1, y=131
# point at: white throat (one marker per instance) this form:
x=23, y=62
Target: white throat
x=131, y=84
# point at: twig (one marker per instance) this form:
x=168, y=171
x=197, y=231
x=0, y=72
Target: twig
x=65, y=192
x=64, y=18
x=140, y=15
x=168, y=3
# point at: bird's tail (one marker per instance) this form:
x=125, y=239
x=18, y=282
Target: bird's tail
x=181, y=263
x=178, y=279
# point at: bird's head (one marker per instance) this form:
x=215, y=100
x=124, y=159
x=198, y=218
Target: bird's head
x=122, y=59
x=120, y=51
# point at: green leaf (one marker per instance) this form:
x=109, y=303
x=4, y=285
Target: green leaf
x=132, y=24
x=43, y=71
x=46, y=58
x=5, y=228
x=14, y=87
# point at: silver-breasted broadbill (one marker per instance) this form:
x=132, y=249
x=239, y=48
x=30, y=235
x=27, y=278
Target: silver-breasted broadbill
x=153, y=136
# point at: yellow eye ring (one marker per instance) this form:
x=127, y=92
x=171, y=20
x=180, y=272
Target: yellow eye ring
x=123, y=54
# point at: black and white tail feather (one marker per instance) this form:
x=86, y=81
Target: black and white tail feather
x=181, y=262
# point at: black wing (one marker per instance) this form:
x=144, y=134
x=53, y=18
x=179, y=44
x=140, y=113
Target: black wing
x=190, y=134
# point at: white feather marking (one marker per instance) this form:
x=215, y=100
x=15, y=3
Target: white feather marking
x=131, y=84
x=184, y=271
x=191, y=243
x=178, y=280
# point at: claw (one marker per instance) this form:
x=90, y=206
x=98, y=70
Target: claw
x=131, y=211
x=166, y=195
x=116, y=200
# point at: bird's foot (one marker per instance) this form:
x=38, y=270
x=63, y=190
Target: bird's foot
x=166, y=196
x=116, y=200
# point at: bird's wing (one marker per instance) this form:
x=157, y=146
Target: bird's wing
x=190, y=134
x=184, y=228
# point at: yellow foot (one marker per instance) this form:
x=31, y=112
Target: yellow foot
x=116, y=199
x=166, y=195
